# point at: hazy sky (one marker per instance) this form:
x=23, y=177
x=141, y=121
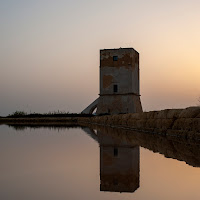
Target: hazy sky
x=49, y=52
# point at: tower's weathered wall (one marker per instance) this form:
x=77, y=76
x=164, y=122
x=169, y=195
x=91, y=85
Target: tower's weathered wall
x=119, y=81
x=115, y=104
x=124, y=71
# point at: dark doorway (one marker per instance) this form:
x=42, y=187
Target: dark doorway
x=115, y=88
x=115, y=152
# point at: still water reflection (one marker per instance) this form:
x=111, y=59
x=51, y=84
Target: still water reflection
x=96, y=163
x=119, y=165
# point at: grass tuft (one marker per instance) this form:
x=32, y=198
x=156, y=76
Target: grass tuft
x=18, y=114
x=22, y=114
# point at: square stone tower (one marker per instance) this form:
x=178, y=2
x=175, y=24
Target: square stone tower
x=119, y=81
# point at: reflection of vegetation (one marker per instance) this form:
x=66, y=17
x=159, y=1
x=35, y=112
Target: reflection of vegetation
x=18, y=127
x=47, y=126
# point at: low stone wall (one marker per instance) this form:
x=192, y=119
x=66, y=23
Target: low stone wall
x=174, y=122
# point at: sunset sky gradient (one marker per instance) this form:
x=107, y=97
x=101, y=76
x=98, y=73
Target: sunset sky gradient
x=49, y=52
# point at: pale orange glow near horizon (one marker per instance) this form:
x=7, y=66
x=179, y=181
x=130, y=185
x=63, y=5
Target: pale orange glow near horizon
x=50, y=51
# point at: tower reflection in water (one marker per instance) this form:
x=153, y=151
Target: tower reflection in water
x=119, y=164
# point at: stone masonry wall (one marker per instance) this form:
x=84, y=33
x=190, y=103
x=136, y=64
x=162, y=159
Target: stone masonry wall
x=178, y=122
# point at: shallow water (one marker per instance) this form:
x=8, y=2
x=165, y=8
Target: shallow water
x=109, y=164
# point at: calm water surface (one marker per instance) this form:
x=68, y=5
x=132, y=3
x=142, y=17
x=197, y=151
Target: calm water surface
x=101, y=164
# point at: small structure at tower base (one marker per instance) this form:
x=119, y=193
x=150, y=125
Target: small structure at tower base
x=119, y=83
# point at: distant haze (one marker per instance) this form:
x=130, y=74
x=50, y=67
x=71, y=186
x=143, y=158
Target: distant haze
x=49, y=52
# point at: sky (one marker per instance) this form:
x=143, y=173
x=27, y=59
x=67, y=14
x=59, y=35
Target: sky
x=49, y=52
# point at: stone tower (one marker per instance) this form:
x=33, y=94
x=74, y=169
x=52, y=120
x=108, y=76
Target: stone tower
x=119, y=82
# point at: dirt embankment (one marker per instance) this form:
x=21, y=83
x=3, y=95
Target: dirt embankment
x=174, y=122
x=40, y=121
x=178, y=122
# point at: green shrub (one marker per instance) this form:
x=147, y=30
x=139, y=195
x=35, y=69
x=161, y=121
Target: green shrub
x=18, y=113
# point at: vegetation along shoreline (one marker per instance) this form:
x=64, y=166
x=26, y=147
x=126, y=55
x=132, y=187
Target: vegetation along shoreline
x=183, y=123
